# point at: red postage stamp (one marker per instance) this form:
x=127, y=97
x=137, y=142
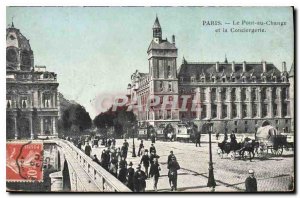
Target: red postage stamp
x=24, y=161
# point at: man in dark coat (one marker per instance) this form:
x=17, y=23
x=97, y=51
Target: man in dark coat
x=146, y=161
x=96, y=159
x=79, y=145
x=141, y=146
x=130, y=174
x=170, y=157
x=126, y=143
x=173, y=166
x=153, y=138
x=250, y=182
x=88, y=149
x=152, y=148
x=155, y=173
x=139, y=180
x=109, y=143
x=197, y=139
x=124, y=150
x=105, y=159
x=123, y=173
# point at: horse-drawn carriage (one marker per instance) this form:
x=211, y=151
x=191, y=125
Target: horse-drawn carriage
x=266, y=139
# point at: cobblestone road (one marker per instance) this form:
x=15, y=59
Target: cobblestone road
x=273, y=173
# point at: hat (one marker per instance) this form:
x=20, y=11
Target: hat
x=138, y=166
x=251, y=171
x=130, y=163
x=146, y=150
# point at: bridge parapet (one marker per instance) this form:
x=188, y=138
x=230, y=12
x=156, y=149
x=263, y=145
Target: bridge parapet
x=86, y=174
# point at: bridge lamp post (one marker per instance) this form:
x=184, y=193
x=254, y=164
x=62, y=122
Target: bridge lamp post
x=133, y=145
x=211, y=179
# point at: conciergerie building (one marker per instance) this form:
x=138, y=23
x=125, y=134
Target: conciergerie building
x=236, y=96
x=31, y=92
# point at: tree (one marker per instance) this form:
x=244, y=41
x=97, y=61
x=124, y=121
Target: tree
x=75, y=119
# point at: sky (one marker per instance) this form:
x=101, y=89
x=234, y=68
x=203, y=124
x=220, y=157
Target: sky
x=94, y=50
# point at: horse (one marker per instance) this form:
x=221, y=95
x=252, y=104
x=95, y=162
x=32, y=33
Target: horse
x=226, y=147
x=249, y=146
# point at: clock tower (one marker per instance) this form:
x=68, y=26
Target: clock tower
x=162, y=56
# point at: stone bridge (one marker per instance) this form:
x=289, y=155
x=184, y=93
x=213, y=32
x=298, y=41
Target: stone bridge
x=78, y=172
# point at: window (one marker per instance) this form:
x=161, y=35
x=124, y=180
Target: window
x=243, y=94
x=224, y=79
x=169, y=71
x=276, y=121
x=244, y=108
x=254, y=110
x=214, y=110
x=285, y=93
x=232, y=79
x=274, y=95
x=168, y=114
x=244, y=79
x=161, y=87
x=274, y=79
x=253, y=78
x=235, y=130
x=203, y=113
x=202, y=79
x=286, y=121
x=203, y=95
x=235, y=123
x=234, y=110
x=264, y=79
x=24, y=102
x=253, y=94
x=246, y=122
x=264, y=110
x=263, y=94
x=181, y=79
x=224, y=111
x=214, y=79
x=46, y=100
x=275, y=109
x=8, y=102
x=170, y=87
x=284, y=109
x=193, y=79
x=213, y=94
x=223, y=94
x=233, y=96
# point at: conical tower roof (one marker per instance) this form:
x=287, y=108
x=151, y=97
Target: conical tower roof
x=156, y=24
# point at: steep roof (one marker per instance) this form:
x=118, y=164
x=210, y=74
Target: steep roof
x=292, y=71
x=23, y=42
x=188, y=69
x=156, y=23
x=164, y=44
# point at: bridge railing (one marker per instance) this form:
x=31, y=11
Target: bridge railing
x=104, y=181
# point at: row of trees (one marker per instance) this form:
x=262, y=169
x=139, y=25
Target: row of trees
x=75, y=120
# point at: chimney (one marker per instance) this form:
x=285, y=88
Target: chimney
x=283, y=66
x=217, y=67
x=264, y=65
x=244, y=66
x=233, y=66
x=173, y=39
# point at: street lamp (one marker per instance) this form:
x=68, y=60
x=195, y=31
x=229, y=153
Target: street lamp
x=133, y=145
x=211, y=179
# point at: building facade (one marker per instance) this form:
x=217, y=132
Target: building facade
x=235, y=96
x=31, y=91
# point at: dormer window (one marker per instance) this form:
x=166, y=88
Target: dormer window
x=170, y=87
x=264, y=79
x=193, y=79
x=203, y=79
x=274, y=79
x=24, y=102
x=214, y=79
x=8, y=102
x=233, y=79
x=283, y=79
x=253, y=78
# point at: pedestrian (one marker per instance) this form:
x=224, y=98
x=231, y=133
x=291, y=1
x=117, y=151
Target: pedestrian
x=152, y=148
x=170, y=156
x=119, y=153
x=113, y=167
x=130, y=174
x=109, y=143
x=142, y=151
x=155, y=173
x=126, y=143
x=114, y=142
x=153, y=138
x=79, y=145
x=250, y=182
x=123, y=163
x=139, y=180
x=152, y=157
x=96, y=159
x=217, y=135
x=122, y=174
x=124, y=151
x=197, y=139
x=140, y=148
x=173, y=166
x=105, y=159
x=87, y=149
x=146, y=160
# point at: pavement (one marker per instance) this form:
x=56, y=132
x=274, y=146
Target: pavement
x=272, y=173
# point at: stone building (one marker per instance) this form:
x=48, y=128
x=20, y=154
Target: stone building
x=235, y=96
x=31, y=91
